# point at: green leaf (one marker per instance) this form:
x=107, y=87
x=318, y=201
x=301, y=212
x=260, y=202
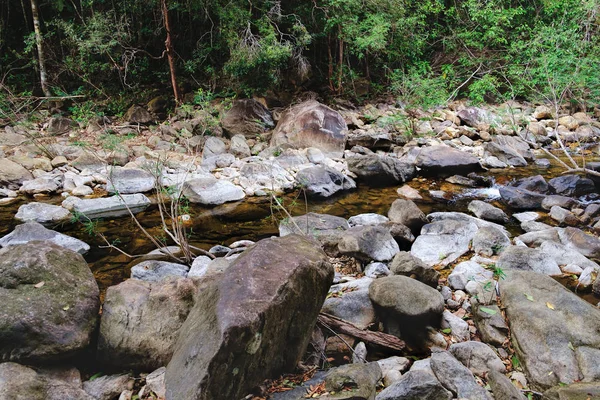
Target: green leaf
x=447, y=330
x=488, y=310
x=515, y=362
x=571, y=346
x=96, y=376
x=529, y=297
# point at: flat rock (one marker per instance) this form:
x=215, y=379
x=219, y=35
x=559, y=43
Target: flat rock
x=323, y=182
x=528, y=259
x=50, y=303
x=211, y=191
x=42, y=185
x=46, y=214
x=129, y=180
x=368, y=242
x=107, y=207
x=154, y=270
x=571, y=238
x=31, y=231
x=377, y=170
x=367, y=219
x=444, y=160
x=443, y=242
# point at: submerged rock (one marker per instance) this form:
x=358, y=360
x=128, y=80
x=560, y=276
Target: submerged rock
x=252, y=323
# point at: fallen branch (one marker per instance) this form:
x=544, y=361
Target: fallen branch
x=379, y=338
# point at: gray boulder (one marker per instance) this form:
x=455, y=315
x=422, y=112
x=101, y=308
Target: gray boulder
x=376, y=170
x=211, y=191
x=521, y=199
x=563, y=216
x=350, y=301
x=406, y=264
x=323, y=181
x=239, y=147
x=456, y=377
x=558, y=200
x=154, y=270
x=535, y=183
x=368, y=242
x=572, y=185
x=31, y=231
x=247, y=117
x=549, y=325
x=108, y=387
x=478, y=118
x=445, y=161
x=253, y=323
x=444, y=241
x=510, y=150
x=367, y=219
x=528, y=259
x=407, y=213
x=106, y=207
x=490, y=324
x=327, y=229
x=564, y=255
x=129, y=180
x=141, y=321
x=12, y=173
x=416, y=385
x=503, y=388
x=49, y=303
x=486, y=211
x=41, y=185
x=489, y=241
x=478, y=357
x=468, y=271
x=406, y=306
x=571, y=238
x=46, y=214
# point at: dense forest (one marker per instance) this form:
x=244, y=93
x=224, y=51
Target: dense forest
x=424, y=52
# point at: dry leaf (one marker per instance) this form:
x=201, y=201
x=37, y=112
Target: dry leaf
x=66, y=308
x=39, y=285
x=550, y=305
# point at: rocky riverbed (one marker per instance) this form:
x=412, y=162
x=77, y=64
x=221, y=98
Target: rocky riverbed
x=444, y=255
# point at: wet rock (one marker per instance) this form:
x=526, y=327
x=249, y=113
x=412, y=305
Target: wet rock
x=353, y=382
x=478, y=357
x=107, y=207
x=253, y=323
x=211, y=191
x=323, y=181
x=46, y=214
x=527, y=259
x=406, y=264
x=467, y=271
x=486, y=211
x=377, y=170
x=489, y=241
x=557, y=200
x=19, y=382
x=444, y=160
x=491, y=325
x=141, y=321
x=350, y=301
x=406, y=306
x=369, y=243
x=521, y=199
x=108, y=387
x=407, y=213
x=572, y=185
x=43, y=185
x=137, y=114
x=31, y=231
x=444, y=241
x=129, y=180
x=50, y=303
x=547, y=339
x=502, y=387
x=535, y=183
x=247, y=117
x=563, y=216
x=416, y=385
x=456, y=377
x=311, y=124
x=153, y=270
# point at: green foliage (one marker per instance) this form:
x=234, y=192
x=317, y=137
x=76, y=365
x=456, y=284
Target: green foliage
x=418, y=87
x=85, y=111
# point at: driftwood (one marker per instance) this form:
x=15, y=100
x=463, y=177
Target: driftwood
x=379, y=338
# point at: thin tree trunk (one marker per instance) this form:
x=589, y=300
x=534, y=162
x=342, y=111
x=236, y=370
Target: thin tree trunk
x=330, y=64
x=40, y=49
x=341, y=60
x=169, y=49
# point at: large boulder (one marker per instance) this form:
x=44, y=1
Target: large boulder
x=571, y=238
x=31, y=231
x=49, y=303
x=407, y=213
x=247, y=117
x=572, y=185
x=554, y=332
x=12, y=173
x=521, y=199
x=511, y=150
x=368, y=243
x=311, y=124
x=46, y=214
x=129, y=180
x=107, y=207
x=252, y=323
x=444, y=241
x=323, y=182
x=378, y=170
x=211, y=191
x=446, y=161
x=141, y=321
x=18, y=382
x=528, y=259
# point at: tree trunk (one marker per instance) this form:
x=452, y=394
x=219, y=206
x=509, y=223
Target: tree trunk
x=169, y=49
x=40, y=49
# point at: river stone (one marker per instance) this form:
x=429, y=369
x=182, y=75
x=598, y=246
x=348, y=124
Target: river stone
x=521, y=199
x=311, y=124
x=490, y=325
x=376, y=270
x=503, y=388
x=88, y=161
x=107, y=207
x=199, y=267
x=572, y=185
x=129, y=180
x=323, y=181
x=489, y=241
x=42, y=185
x=459, y=328
x=465, y=218
x=547, y=339
x=353, y=382
x=575, y=391
x=377, y=170
x=486, y=211
x=406, y=264
x=213, y=146
x=467, y=271
x=407, y=213
x=563, y=216
x=108, y=387
x=478, y=357
x=31, y=231
x=528, y=259
x=247, y=117
x=239, y=147
x=211, y=191
x=444, y=241
x=445, y=161
x=367, y=219
x=571, y=238
x=401, y=233
x=456, y=377
x=253, y=323
x=535, y=183
x=533, y=226
x=350, y=301
x=564, y=255
x=13, y=173
x=557, y=200
x=18, y=382
x=31, y=163
x=368, y=243
x=327, y=229
x=154, y=270
x=526, y=216
x=406, y=306
x=141, y=321
x=416, y=385
x=504, y=152
x=49, y=322
x=43, y=213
